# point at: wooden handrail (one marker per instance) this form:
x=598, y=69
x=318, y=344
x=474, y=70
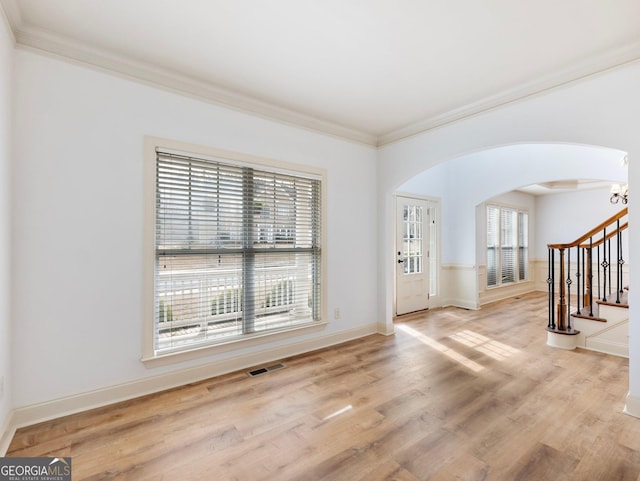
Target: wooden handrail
x=609, y=236
x=588, y=245
x=592, y=232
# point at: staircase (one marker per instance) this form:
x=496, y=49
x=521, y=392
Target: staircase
x=588, y=303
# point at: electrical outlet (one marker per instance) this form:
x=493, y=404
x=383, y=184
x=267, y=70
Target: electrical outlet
x=336, y=313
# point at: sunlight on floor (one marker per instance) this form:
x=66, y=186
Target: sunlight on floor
x=338, y=412
x=485, y=345
x=456, y=356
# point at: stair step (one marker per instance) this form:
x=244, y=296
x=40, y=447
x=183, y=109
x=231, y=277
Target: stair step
x=614, y=304
x=591, y=318
x=622, y=296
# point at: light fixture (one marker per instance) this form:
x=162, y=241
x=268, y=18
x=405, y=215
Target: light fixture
x=619, y=193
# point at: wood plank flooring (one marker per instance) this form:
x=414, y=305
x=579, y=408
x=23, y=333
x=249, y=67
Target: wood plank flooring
x=454, y=395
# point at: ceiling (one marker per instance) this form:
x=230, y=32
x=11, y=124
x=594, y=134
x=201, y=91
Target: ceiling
x=558, y=187
x=372, y=71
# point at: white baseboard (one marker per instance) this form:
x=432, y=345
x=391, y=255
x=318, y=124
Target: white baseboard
x=495, y=294
x=632, y=407
x=6, y=435
x=28, y=415
x=461, y=303
x=387, y=332
x=608, y=347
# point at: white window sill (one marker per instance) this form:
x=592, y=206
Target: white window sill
x=509, y=284
x=175, y=357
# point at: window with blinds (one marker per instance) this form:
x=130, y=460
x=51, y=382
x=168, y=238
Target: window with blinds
x=507, y=246
x=237, y=250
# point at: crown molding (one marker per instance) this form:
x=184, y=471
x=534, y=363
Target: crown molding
x=100, y=59
x=76, y=52
x=571, y=74
x=10, y=13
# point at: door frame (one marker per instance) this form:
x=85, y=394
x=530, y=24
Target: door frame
x=435, y=299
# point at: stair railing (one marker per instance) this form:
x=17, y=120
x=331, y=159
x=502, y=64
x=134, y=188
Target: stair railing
x=579, y=255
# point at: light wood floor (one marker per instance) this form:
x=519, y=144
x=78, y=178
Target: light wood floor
x=454, y=395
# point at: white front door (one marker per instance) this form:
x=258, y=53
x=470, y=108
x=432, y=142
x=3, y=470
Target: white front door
x=412, y=255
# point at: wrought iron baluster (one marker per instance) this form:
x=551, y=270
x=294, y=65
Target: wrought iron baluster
x=569, y=282
x=553, y=290
x=590, y=277
x=605, y=264
x=578, y=275
x=562, y=295
x=621, y=262
x=598, y=270
x=551, y=323
x=610, y=266
x=619, y=270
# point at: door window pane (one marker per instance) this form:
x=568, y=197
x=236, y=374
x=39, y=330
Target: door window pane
x=413, y=239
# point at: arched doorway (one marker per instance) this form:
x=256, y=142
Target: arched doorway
x=461, y=184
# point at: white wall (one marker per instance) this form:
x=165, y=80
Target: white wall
x=79, y=215
x=602, y=110
x=6, y=80
x=468, y=180
x=564, y=217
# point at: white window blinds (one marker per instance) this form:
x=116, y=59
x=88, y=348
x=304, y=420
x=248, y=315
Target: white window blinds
x=493, y=226
x=237, y=250
x=507, y=246
x=508, y=239
x=523, y=246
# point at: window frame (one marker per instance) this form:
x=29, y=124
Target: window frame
x=149, y=356
x=517, y=248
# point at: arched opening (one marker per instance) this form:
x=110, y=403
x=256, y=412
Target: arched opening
x=573, y=179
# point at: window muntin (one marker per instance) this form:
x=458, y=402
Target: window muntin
x=412, y=239
x=523, y=246
x=237, y=251
x=507, y=246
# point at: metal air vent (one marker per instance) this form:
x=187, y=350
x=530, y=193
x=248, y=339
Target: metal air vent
x=263, y=370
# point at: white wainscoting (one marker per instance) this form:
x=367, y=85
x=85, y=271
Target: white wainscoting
x=538, y=268
x=493, y=294
x=460, y=286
